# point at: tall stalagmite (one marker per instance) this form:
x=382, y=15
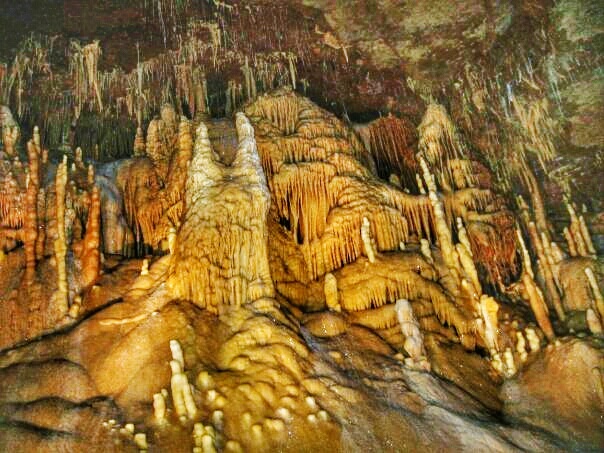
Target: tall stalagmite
x=221, y=257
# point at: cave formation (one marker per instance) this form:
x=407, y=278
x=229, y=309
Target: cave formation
x=301, y=226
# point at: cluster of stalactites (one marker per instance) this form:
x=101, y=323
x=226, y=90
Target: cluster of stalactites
x=444, y=150
x=391, y=141
x=322, y=191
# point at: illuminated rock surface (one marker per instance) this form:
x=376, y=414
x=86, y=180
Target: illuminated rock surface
x=225, y=265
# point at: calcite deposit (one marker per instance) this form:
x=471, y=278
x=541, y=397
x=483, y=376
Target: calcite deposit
x=204, y=253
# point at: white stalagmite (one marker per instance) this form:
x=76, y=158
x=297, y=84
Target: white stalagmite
x=140, y=439
x=145, y=267
x=182, y=396
x=510, y=365
x=368, y=243
x=496, y=363
x=521, y=346
x=177, y=353
x=532, y=338
x=221, y=255
x=426, y=251
x=443, y=232
x=488, y=311
x=414, y=341
x=159, y=407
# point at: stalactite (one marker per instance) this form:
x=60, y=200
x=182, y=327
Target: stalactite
x=439, y=142
x=391, y=141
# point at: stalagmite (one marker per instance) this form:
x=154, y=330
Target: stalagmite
x=414, y=342
x=576, y=232
x=426, y=251
x=91, y=253
x=443, y=232
x=368, y=243
x=510, y=365
x=221, y=256
x=521, y=346
x=182, y=397
x=140, y=439
x=60, y=244
x=145, y=267
x=139, y=143
x=30, y=224
x=533, y=339
x=177, y=353
x=331, y=292
x=159, y=408
x=595, y=289
x=90, y=176
x=497, y=363
x=586, y=236
x=488, y=311
x=535, y=299
x=570, y=241
x=42, y=225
